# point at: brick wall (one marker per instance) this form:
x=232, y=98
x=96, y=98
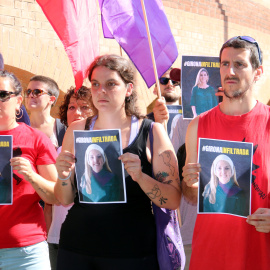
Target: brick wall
x=200, y=27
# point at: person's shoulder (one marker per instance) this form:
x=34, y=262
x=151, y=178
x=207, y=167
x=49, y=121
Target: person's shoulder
x=77, y=125
x=213, y=111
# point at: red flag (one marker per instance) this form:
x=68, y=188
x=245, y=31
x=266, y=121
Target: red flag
x=76, y=24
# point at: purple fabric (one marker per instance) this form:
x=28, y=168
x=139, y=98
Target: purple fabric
x=230, y=188
x=170, y=250
x=102, y=177
x=123, y=21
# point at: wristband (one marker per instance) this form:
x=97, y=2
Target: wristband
x=64, y=179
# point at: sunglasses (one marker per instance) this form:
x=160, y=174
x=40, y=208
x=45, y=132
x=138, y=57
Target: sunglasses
x=6, y=95
x=164, y=81
x=35, y=92
x=249, y=40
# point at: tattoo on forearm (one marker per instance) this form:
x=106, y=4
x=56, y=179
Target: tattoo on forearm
x=167, y=159
x=42, y=190
x=155, y=192
x=162, y=200
x=160, y=177
x=64, y=184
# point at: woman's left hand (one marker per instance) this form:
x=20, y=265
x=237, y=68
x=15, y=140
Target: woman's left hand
x=22, y=166
x=132, y=164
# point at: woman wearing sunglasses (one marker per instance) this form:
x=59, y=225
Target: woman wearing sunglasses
x=23, y=228
x=123, y=235
x=41, y=95
x=203, y=96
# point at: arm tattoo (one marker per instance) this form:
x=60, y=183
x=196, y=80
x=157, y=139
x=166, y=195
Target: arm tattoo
x=167, y=159
x=155, y=192
x=64, y=184
x=42, y=190
x=161, y=176
x=162, y=200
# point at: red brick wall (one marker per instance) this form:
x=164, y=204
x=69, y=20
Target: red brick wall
x=200, y=27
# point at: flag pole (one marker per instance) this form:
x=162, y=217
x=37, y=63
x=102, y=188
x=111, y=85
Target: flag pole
x=151, y=48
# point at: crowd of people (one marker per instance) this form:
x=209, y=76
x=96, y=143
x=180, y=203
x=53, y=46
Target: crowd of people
x=47, y=226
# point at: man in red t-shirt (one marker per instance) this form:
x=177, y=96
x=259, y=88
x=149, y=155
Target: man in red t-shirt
x=223, y=241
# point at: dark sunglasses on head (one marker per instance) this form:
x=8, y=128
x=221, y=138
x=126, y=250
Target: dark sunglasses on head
x=250, y=40
x=6, y=95
x=164, y=81
x=35, y=92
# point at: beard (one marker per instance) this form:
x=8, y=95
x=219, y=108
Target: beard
x=171, y=97
x=238, y=94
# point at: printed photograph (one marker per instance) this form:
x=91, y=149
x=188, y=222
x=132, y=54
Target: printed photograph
x=175, y=112
x=99, y=173
x=200, y=80
x=225, y=177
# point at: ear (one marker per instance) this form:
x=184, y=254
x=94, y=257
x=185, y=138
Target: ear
x=258, y=73
x=129, y=89
x=52, y=99
x=19, y=102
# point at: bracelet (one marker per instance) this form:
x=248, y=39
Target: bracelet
x=64, y=179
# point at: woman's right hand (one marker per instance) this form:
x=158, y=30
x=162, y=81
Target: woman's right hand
x=191, y=174
x=65, y=163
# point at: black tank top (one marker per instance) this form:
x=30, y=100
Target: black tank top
x=115, y=230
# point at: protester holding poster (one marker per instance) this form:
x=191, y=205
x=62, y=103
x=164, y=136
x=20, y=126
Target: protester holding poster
x=240, y=117
x=23, y=228
x=121, y=235
x=203, y=96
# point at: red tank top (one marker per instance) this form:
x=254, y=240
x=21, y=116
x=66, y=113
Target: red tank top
x=225, y=241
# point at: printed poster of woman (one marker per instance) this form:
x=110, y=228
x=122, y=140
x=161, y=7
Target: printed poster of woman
x=99, y=173
x=200, y=81
x=5, y=170
x=225, y=178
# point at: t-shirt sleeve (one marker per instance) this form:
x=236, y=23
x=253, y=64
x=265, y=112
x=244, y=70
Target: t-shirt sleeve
x=46, y=152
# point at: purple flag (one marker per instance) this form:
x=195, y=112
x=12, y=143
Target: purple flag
x=123, y=21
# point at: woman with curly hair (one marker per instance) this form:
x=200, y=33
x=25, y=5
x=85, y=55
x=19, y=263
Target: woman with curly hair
x=76, y=106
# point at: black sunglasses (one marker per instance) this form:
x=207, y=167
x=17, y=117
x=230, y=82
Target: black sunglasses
x=164, y=81
x=250, y=40
x=35, y=92
x=6, y=95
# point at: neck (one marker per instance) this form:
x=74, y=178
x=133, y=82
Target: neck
x=203, y=85
x=12, y=124
x=112, y=121
x=237, y=106
x=173, y=103
x=38, y=119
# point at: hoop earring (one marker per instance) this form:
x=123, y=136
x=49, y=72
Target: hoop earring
x=19, y=114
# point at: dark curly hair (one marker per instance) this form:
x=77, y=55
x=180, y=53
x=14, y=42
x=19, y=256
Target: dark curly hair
x=126, y=71
x=82, y=93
